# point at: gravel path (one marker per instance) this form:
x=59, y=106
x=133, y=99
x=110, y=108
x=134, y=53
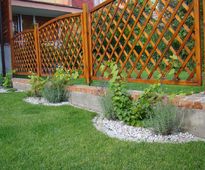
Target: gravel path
x=116, y=129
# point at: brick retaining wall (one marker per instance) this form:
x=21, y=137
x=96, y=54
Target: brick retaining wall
x=195, y=101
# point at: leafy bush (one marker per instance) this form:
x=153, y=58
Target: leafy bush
x=37, y=83
x=143, y=107
x=120, y=105
x=121, y=100
x=165, y=121
x=55, y=89
x=7, y=81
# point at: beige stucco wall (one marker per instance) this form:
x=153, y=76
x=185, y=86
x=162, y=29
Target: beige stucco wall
x=64, y=2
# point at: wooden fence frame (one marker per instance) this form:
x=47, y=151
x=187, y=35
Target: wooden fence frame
x=87, y=42
x=203, y=3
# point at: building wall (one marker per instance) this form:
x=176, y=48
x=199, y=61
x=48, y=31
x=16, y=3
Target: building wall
x=78, y=3
x=63, y=2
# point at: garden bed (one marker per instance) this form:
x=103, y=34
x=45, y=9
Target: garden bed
x=119, y=130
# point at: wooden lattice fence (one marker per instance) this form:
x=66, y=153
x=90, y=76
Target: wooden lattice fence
x=24, y=54
x=146, y=38
x=61, y=44
x=56, y=43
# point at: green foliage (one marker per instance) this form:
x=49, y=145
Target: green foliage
x=63, y=76
x=1, y=79
x=55, y=89
x=143, y=107
x=107, y=106
x=7, y=81
x=54, y=92
x=165, y=120
x=121, y=100
x=123, y=108
x=37, y=83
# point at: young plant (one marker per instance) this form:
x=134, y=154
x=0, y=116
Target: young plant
x=143, y=107
x=7, y=81
x=1, y=79
x=121, y=99
x=37, y=83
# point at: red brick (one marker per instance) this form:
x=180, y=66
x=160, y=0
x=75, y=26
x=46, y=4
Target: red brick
x=197, y=105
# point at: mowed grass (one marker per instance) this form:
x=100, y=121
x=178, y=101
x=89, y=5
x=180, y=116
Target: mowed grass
x=42, y=137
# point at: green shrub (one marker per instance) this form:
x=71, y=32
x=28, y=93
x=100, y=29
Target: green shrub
x=121, y=105
x=143, y=106
x=55, y=89
x=121, y=100
x=37, y=83
x=165, y=121
x=7, y=81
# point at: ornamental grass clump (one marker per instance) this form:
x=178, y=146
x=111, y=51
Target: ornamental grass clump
x=54, y=89
x=165, y=119
x=107, y=106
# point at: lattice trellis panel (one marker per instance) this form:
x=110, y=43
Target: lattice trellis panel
x=150, y=40
x=24, y=53
x=60, y=42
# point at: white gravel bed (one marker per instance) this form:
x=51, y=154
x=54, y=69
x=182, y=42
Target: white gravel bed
x=3, y=90
x=42, y=101
x=116, y=129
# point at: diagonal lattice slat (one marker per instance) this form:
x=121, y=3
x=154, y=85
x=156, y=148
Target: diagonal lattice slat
x=143, y=36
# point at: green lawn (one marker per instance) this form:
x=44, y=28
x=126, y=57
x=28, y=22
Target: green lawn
x=40, y=137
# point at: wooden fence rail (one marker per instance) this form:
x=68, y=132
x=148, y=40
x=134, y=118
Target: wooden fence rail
x=147, y=39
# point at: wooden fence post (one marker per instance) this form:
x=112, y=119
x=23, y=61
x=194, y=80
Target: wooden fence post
x=37, y=50
x=203, y=3
x=86, y=43
x=198, y=41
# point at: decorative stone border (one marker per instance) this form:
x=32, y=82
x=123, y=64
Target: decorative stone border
x=42, y=101
x=119, y=130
